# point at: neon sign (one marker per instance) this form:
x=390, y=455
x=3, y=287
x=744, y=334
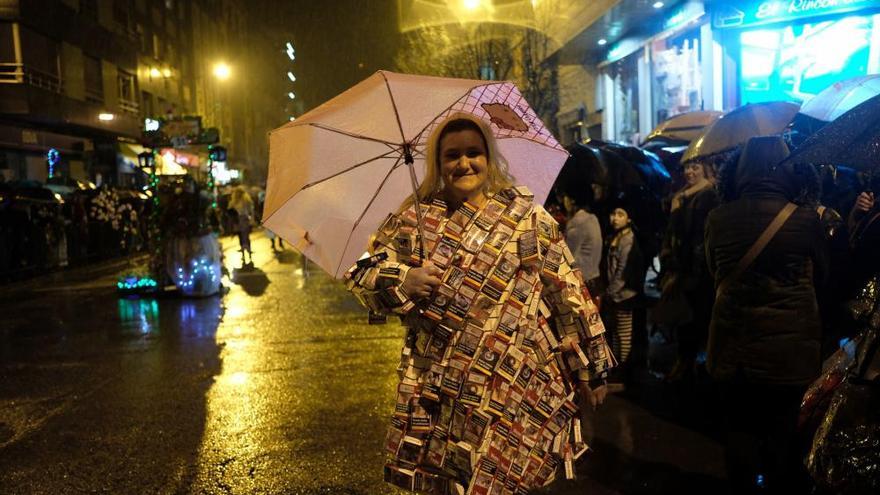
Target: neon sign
x=771, y=11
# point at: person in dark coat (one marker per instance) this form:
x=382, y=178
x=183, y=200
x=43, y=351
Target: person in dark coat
x=764, y=336
x=684, y=264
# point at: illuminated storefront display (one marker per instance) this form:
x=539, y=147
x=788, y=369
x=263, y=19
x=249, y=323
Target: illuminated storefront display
x=677, y=82
x=793, y=49
x=795, y=62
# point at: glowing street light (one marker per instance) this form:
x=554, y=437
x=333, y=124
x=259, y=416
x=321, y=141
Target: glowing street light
x=291, y=76
x=106, y=117
x=471, y=4
x=290, y=52
x=222, y=71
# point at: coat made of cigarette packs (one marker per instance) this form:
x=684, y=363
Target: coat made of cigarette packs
x=487, y=393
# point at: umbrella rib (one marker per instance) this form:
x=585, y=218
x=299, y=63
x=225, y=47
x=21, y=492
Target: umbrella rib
x=384, y=155
x=394, y=106
x=349, y=169
x=350, y=134
x=358, y=221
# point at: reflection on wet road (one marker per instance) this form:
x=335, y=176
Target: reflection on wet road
x=279, y=386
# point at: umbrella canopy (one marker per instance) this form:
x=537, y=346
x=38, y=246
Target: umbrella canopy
x=685, y=127
x=853, y=139
x=336, y=172
x=737, y=126
x=841, y=97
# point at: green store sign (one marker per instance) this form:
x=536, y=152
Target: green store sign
x=742, y=14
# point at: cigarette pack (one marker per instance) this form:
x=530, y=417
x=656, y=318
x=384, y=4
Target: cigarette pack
x=453, y=277
x=490, y=215
x=444, y=251
x=523, y=287
x=498, y=392
x=512, y=403
x=527, y=245
x=474, y=239
x=506, y=269
x=432, y=483
x=459, y=418
x=489, y=354
x=399, y=477
x=547, y=228
x=552, y=261
x=438, y=304
x=480, y=268
x=433, y=380
x=461, y=303
x=474, y=389
x=508, y=322
x=499, y=237
x=394, y=435
x=518, y=209
x=481, y=309
x=405, y=393
x=475, y=427
x=410, y=451
x=437, y=447
x=463, y=215
x=453, y=376
x=511, y=363
x=524, y=192
x=469, y=341
x=419, y=418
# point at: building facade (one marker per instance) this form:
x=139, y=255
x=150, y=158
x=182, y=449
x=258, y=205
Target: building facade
x=639, y=63
x=82, y=77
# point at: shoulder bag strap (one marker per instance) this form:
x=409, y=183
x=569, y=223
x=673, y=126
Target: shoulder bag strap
x=757, y=247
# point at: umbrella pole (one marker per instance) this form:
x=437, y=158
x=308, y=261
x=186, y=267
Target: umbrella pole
x=410, y=164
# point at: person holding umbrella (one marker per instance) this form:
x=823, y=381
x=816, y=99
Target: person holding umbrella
x=477, y=271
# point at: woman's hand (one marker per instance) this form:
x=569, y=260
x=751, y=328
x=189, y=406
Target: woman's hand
x=422, y=281
x=864, y=202
x=594, y=396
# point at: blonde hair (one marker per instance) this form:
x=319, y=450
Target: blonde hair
x=498, y=177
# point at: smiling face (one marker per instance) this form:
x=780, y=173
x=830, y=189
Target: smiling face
x=693, y=172
x=464, y=165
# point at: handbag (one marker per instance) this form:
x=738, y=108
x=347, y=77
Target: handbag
x=845, y=454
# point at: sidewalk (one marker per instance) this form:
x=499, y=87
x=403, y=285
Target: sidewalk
x=73, y=276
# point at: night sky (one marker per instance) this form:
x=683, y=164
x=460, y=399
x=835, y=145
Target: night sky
x=338, y=42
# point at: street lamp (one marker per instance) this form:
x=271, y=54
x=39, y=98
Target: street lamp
x=221, y=71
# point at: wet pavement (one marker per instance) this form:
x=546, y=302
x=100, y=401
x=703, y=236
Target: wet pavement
x=280, y=386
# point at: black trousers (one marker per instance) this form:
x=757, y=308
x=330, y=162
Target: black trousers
x=763, y=453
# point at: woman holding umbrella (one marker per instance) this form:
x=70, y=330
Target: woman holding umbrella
x=488, y=387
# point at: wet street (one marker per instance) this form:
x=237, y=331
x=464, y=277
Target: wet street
x=279, y=386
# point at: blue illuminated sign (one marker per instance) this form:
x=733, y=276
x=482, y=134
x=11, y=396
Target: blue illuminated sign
x=754, y=13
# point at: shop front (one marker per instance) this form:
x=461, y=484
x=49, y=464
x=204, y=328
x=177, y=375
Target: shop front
x=793, y=49
x=648, y=77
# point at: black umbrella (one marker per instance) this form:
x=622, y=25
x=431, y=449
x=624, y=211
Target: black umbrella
x=853, y=139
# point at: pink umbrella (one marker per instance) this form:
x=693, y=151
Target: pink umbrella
x=336, y=172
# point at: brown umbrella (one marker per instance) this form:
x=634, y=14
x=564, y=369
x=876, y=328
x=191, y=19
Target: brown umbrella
x=686, y=126
x=739, y=125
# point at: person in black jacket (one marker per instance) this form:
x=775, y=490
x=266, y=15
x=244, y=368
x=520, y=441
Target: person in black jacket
x=764, y=336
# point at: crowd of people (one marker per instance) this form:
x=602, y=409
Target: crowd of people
x=756, y=271
x=42, y=230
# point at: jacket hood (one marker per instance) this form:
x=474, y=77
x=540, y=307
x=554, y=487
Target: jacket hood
x=757, y=173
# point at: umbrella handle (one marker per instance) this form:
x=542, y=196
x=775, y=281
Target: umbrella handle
x=417, y=204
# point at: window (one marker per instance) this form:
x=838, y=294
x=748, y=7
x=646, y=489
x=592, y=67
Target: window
x=94, y=79
x=157, y=46
x=121, y=9
x=127, y=91
x=147, y=104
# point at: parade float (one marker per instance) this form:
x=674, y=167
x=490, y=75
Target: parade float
x=183, y=223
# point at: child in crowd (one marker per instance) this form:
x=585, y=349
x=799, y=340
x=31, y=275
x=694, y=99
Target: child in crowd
x=622, y=270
